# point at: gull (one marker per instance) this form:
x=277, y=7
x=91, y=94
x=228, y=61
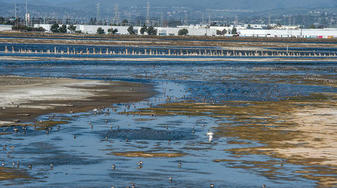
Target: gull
x=210, y=136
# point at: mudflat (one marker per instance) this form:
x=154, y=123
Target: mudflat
x=22, y=99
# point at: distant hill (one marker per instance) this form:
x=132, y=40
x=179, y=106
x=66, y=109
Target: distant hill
x=199, y=4
x=88, y=7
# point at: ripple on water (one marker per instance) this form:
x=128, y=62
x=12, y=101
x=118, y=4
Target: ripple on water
x=149, y=134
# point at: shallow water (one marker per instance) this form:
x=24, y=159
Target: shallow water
x=82, y=155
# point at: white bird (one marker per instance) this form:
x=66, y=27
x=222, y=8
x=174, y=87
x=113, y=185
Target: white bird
x=210, y=136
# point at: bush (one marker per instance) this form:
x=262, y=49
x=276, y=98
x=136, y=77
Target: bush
x=183, y=32
x=100, y=31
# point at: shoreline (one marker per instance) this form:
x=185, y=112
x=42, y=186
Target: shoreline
x=22, y=99
x=175, y=59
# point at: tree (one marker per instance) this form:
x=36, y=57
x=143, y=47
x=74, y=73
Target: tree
x=2, y=20
x=92, y=21
x=234, y=31
x=125, y=22
x=213, y=24
x=143, y=29
x=183, y=32
x=112, y=31
x=151, y=31
x=72, y=28
x=131, y=31
x=223, y=32
x=54, y=28
x=20, y=27
x=63, y=29
x=100, y=31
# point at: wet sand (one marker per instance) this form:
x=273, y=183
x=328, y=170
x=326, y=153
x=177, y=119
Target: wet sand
x=22, y=99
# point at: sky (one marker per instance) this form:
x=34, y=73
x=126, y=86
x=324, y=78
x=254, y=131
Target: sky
x=218, y=4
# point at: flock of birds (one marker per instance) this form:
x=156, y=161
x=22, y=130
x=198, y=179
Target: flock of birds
x=96, y=111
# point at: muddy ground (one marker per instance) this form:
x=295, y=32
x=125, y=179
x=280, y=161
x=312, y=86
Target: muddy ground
x=24, y=98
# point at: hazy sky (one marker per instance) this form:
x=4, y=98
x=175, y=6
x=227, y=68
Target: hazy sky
x=219, y=4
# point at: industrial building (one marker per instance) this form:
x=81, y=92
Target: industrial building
x=204, y=30
x=5, y=27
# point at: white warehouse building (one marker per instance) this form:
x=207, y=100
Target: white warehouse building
x=5, y=27
x=201, y=30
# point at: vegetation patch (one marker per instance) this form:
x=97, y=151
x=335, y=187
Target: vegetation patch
x=148, y=154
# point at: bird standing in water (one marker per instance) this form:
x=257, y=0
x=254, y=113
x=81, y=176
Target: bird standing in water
x=140, y=164
x=210, y=136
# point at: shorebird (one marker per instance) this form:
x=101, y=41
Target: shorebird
x=170, y=179
x=113, y=167
x=211, y=186
x=140, y=164
x=264, y=186
x=210, y=136
x=179, y=164
x=51, y=166
x=30, y=166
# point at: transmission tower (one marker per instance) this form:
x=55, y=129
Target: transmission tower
x=116, y=17
x=27, y=16
x=148, y=22
x=98, y=7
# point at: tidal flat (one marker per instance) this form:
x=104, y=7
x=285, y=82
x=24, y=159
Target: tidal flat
x=175, y=124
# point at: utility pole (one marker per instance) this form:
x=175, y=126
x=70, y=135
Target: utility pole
x=116, y=17
x=161, y=19
x=27, y=16
x=98, y=7
x=236, y=21
x=148, y=22
x=186, y=18
x=15, y=10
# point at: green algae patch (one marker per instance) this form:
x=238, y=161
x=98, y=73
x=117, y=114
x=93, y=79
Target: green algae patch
x=147, y=154
x=300, y=130
x=10, y=174
x=40, y=125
